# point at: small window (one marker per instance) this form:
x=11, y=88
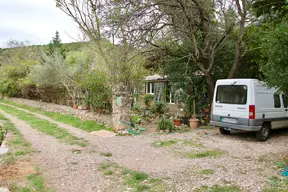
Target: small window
x=285, y=100
x=277, y=102
x=150, y=88
x=170, y=94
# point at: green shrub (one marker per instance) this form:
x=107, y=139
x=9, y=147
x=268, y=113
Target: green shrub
x=3, y=132
x=148, y=98
x=136, y=107
x=165, y=124
x=159, y=107
x=136, y=119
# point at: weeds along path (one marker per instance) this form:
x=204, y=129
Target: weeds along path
x=62, y=165
x=136, y=153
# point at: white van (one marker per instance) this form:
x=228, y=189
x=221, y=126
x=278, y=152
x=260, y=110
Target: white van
x=248, y=105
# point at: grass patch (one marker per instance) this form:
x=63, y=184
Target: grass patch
x=168, y=143
x=263, y=158
x=18, y=146
x=191, y=143
x=277, y=184
x=18, y=153
x=106, y=154
x=45, y=126
x=104, y=166
x=86, y=125
x=206, y=172
x=35, y=183
x=219, y=189
x=108, y=172
x=76, y=151
x=281, y=164
x=203, y=154
x=137, y=181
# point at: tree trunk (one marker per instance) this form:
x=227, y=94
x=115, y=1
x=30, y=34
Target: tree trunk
x=239, y=45
x=210, y=85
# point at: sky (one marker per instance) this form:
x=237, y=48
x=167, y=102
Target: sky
x=35, y=21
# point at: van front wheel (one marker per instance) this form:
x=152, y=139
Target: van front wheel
x=264, y=132
x=223, y=131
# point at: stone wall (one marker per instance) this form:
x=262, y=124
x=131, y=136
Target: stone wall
x=82, y=114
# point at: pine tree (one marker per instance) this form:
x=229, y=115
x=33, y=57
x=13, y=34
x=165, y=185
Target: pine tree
x=55, y=45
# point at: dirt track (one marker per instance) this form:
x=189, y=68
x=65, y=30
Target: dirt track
x=245, y=163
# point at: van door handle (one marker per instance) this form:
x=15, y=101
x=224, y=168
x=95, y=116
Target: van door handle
x=241, y=108
x=286, y=109
x=218, y=106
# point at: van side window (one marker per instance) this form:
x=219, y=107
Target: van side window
x=285, y=100
x=277, y=102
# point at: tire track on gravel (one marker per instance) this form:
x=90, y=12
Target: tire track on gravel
x=64, y=170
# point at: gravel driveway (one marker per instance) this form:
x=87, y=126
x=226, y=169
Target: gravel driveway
x=245, y=163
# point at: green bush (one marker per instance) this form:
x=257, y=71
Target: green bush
x=8, y=88
x=136, y=107
x=165, y=124
x=136, y=119
x=3, y=132
x=159, y=107
x=148, y=98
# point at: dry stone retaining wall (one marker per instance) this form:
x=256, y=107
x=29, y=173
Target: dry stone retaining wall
x=51, y=107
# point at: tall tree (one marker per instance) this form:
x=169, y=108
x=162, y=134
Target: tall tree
x=55, y=45
x=206, y=24
x=269, y=10
x=120, y=59
x=274, y=63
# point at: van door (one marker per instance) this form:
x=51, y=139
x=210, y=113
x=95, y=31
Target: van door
x=278, y=114
x=285, y=105
x=231, y=104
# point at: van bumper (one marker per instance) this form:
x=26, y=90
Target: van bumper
x=235, y=126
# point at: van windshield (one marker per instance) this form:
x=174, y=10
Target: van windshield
x=231, y=94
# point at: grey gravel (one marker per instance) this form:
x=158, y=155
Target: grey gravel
x=57, y=162
x=3, y=150
x=246, y=163
x=2, y=189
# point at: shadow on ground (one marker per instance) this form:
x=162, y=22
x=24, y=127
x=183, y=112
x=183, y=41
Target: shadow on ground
x=251, y=135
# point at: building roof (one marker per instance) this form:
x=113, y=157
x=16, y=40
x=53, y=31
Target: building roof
x=156, y=77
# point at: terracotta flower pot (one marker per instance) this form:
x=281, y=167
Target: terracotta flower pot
x=206, y=110
x=75, y=106
x=193, y=123
x=177, y=122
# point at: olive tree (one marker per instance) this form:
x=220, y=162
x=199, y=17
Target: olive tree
x=119, y=59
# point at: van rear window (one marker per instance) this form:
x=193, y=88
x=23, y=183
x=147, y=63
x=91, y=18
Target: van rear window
x=231, y=94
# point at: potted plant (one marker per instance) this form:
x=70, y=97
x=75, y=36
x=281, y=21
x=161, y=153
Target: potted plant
x=148, y=98
x=75, y=106
x=194, y=121
x=176, y=120
x=206, y=108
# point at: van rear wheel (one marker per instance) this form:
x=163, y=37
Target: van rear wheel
x=223, y=131
x=264, y=132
